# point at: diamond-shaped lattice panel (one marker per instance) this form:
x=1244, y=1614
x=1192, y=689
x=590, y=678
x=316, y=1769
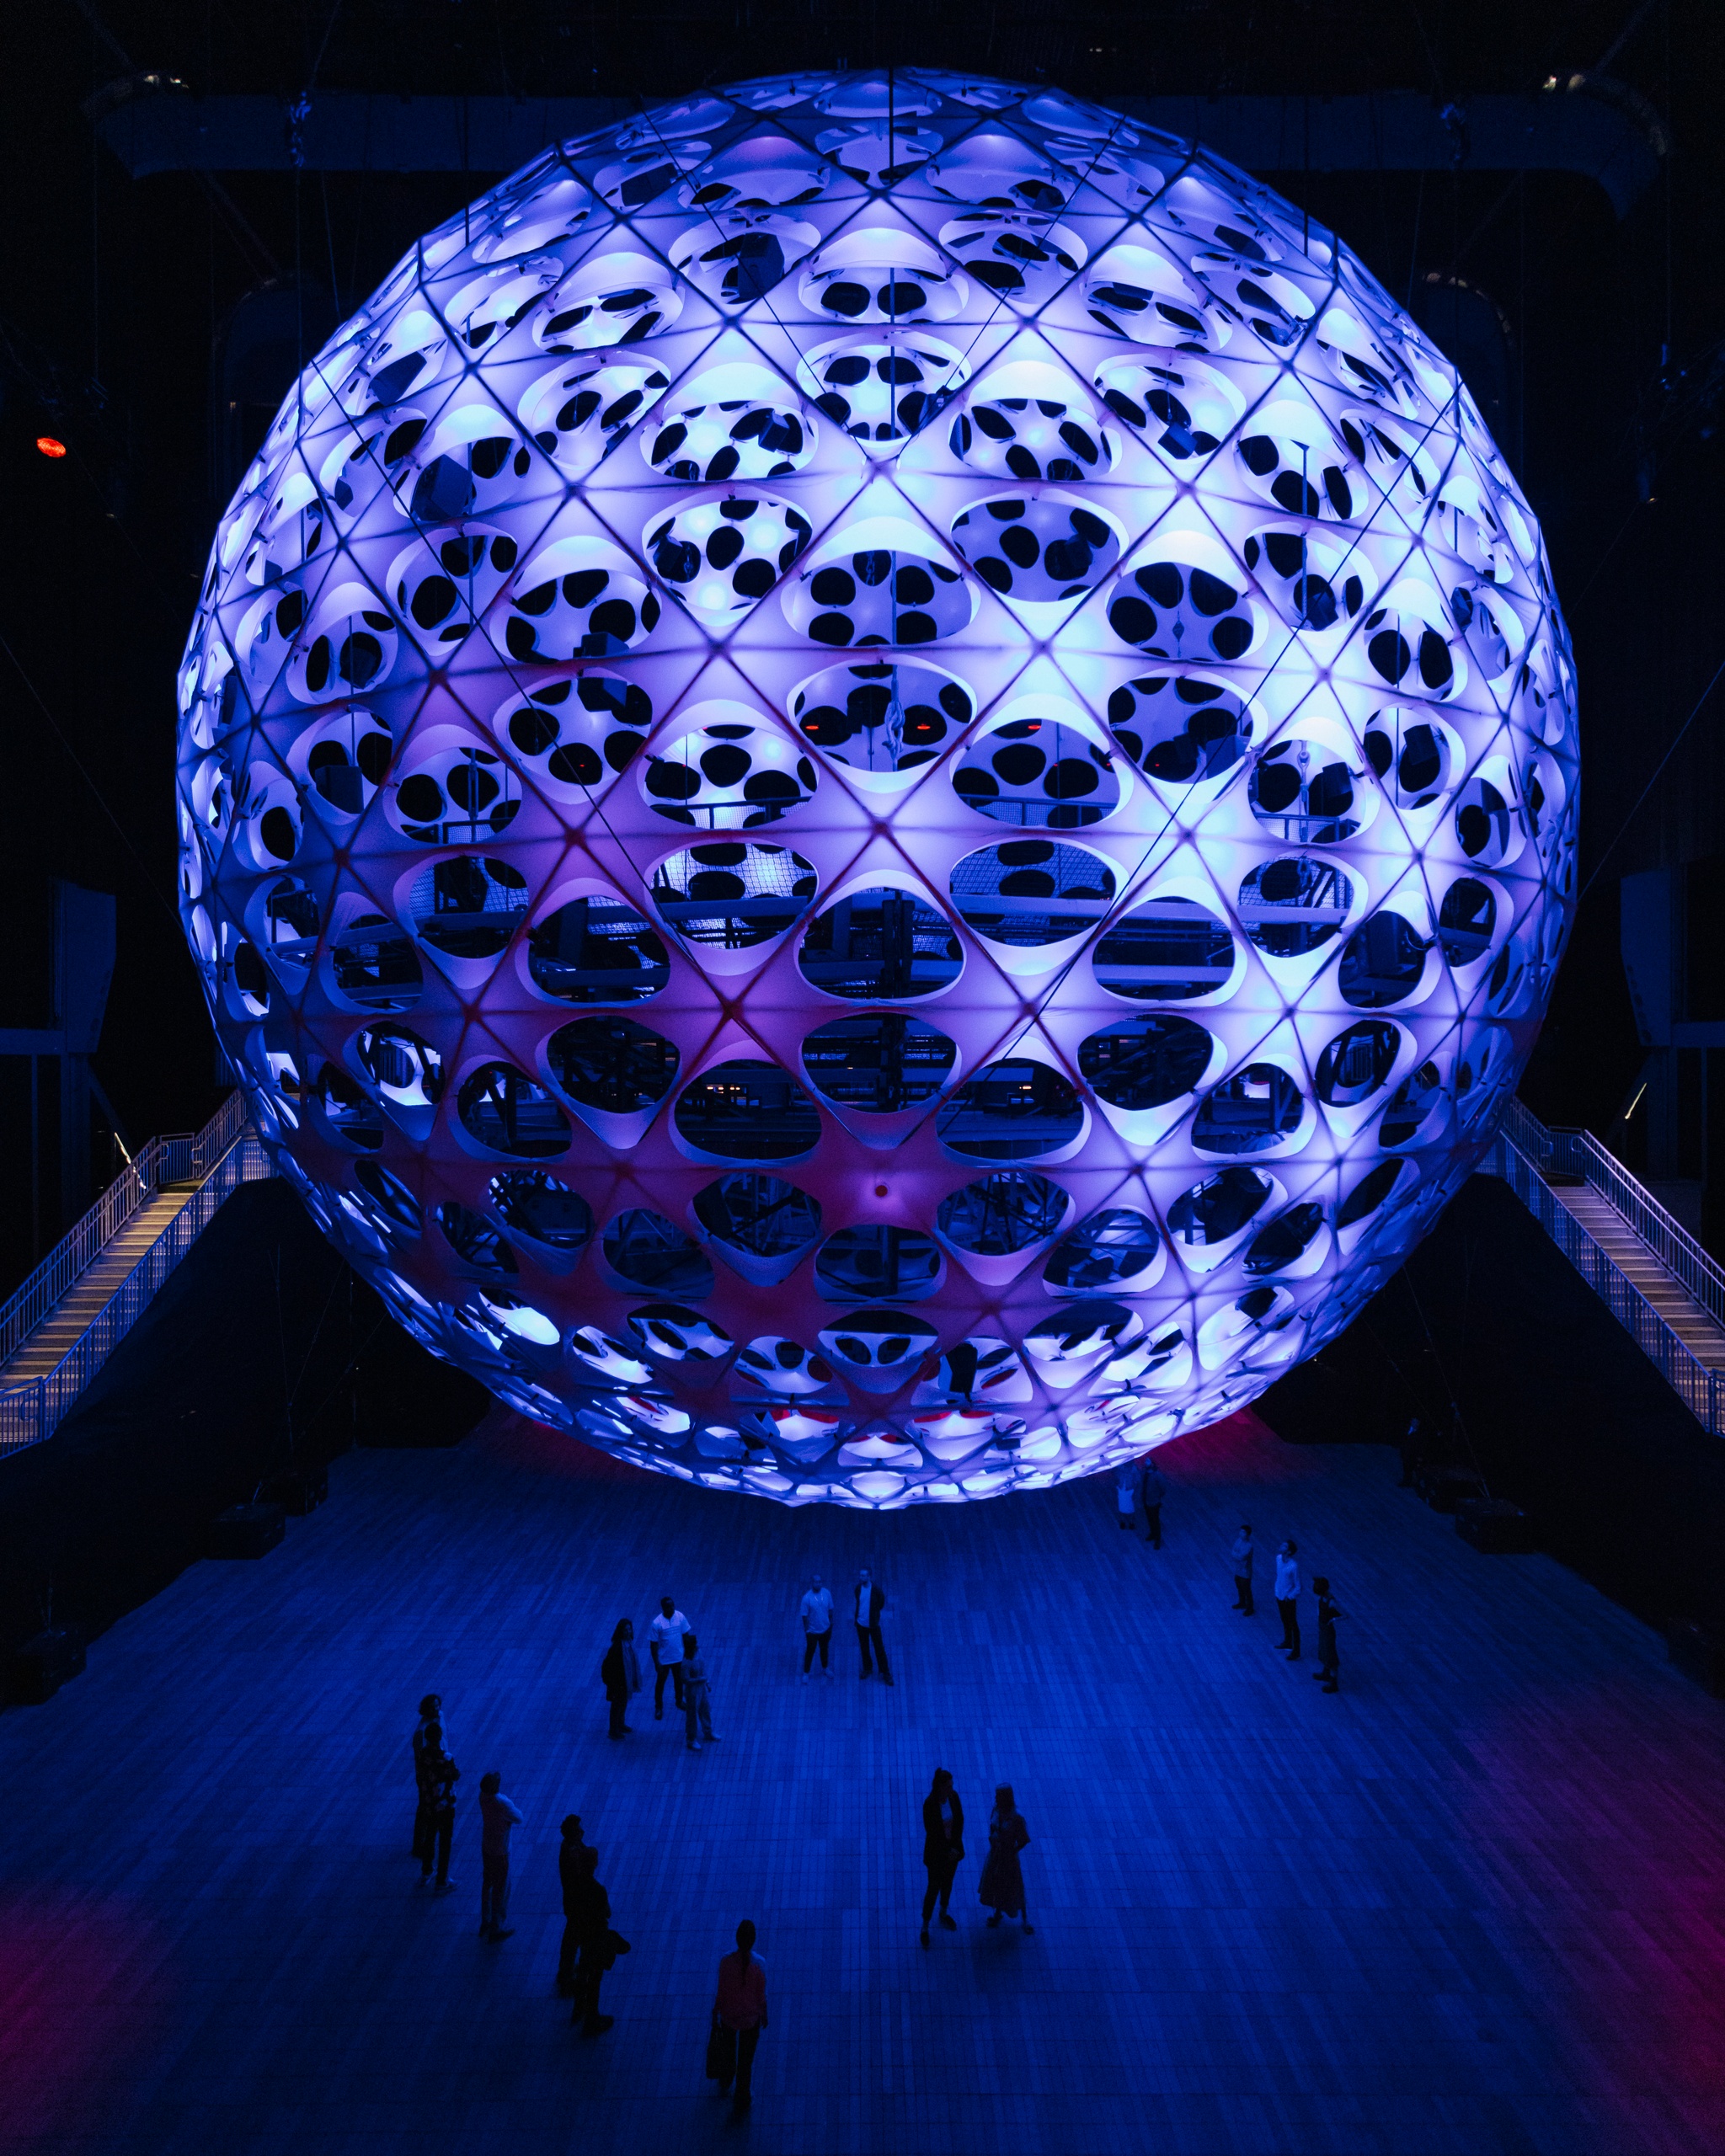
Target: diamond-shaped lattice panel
x=878, y=786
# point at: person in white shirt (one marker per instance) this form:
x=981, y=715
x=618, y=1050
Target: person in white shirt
x=1240, y=1557
x=868, y=1602
x=1287, y=1596
x=497, y=1817
x=1126, y=1476
x=665, y=1643
x=816, y=1611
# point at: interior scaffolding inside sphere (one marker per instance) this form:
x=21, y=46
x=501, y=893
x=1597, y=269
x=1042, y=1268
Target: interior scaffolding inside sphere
x=876, y=787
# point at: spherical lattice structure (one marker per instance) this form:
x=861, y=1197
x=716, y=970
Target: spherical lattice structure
x=878, y=786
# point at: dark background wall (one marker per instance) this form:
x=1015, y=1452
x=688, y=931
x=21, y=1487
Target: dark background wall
x=262, y=1352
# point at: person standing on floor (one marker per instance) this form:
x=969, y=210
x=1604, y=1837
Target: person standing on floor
x=867, y=1602
x=665, y=1643
x=592, y=1924
x=614, y=1675
x=1001, y=1887
x=497, y=1817
x=1287, y=1596
x=816, y=1611
x=1126, y=1478
x=739, y=2010
x=698, y=1697
x=571, y=1872
x=943, y=1848
x=1241, y=1555
x=1152, y=1488
x=440, y=1776
x=431, y=1714
x=1328, y=1671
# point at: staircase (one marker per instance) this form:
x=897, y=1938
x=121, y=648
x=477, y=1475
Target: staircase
x=58, y=1329
x=1650, y=1272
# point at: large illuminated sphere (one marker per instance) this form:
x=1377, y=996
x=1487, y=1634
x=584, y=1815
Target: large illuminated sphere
x=878, y=785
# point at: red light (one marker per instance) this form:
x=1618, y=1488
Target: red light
x=49, y=446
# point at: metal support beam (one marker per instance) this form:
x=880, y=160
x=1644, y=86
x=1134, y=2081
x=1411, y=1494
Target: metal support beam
x=1590, y=128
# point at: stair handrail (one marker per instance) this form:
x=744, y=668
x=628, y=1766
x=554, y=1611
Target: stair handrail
x=181, y=1157
x=1701, y=1391
x=1564, y=1151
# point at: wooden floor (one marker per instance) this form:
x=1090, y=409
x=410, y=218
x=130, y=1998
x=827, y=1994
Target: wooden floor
x=1472, y=1904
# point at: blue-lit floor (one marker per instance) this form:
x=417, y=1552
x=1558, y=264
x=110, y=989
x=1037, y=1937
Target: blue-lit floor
x=1471, y=1904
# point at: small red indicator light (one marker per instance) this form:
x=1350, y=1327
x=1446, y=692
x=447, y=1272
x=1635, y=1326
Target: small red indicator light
x=49, y=446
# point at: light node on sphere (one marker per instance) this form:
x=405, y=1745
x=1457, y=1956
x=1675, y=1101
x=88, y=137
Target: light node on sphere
x=877, y=787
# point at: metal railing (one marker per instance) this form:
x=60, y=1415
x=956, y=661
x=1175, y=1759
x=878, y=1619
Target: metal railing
x=1701, y=1391
x=1579, y=1153
x=216, y=1160
x=184, y=1157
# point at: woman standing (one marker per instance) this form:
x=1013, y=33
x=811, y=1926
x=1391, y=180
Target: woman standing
x=1002, y=1887
x=943, y=1848
x=614, y=1675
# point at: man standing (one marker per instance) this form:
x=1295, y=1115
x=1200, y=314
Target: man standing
x=1152, y=1488
x=869, y=1602
x=817, y=1625
x=498, y=1817
x=439, y=1774
x=592, y=1925
x=1328, y=1671
x=943, y=1848
x=739, y=2009
x=1126, y=1476
x=665, y=1643
x=430, y=1716
x=571, y=1872
x=1242, y=1553
x=1287, y=1596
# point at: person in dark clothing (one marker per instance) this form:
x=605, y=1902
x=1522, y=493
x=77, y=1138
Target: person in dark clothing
x=740, y=2012
x=1152, y=1488
x=440, y=1776
x=1001, y=1887
x=1328, y=1673
x=867, y=1602
x=430, y=1711
x=614, y=1675
x=592, y=1925
x=1415, y=1446
x=1241, y=1555
x=570, y=1871
x=943, y=1848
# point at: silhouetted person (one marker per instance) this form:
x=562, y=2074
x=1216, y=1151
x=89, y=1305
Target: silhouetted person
x=614, y=1675
x=1126, y=1476
x=1328, y=1671
x=665, y=1644
x=1001, y=1887
x=571, y=1872
x=1287, y=1596
x=430, y=1711
x=1152, y=1488
x=1242, y=1555
x=592, y=1923
x=816, y=1612
x=439, y=1775
x=739, y=2008
x=866, y=1603
x=498, y=1816
x=1416, y=1445
x=697, y=1696
x=943, y=1848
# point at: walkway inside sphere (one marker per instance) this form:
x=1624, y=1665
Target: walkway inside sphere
x=1470, y=1904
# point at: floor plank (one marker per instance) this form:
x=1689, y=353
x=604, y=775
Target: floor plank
x=1472, y=1903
